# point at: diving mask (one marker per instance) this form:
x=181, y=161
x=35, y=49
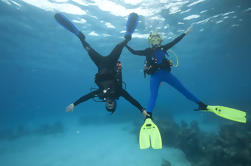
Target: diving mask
x=155, y=39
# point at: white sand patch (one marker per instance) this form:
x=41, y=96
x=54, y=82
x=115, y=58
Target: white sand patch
x=92, y=145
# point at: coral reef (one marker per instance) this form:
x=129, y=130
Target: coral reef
x=48, y=129
x=45, y=129
x=165, y=163
x=231, y=146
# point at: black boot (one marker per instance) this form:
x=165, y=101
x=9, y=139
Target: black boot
x=149, y=116
x=128, y=37
x=202, y=106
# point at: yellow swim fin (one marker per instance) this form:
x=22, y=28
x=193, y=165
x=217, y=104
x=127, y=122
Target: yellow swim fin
x=228, y=113
x=149, y=132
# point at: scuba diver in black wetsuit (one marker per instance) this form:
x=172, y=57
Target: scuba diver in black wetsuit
x=109, y=76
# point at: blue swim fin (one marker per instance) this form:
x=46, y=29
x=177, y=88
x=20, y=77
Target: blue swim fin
x=65, y=22
x=131, y=24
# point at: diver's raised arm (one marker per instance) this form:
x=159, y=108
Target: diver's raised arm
x=137, y=52
x=82, y=99
x=176, y=40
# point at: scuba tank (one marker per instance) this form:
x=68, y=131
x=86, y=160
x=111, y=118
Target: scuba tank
x=118, y=75
x=151, y=66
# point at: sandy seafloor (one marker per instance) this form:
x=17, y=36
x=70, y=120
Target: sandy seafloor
x=109, y=144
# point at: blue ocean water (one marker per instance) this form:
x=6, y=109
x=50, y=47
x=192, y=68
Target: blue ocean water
x=43, y=68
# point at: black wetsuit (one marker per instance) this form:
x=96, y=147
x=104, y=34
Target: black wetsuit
x=107, y=76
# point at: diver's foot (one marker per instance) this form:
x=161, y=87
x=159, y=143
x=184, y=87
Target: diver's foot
x=81, y=36
x=128, y=37
x=202, y=106
x=150, y=115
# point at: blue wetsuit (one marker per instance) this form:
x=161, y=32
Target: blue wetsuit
x=162, y=72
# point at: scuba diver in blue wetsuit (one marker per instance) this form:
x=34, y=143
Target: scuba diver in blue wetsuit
x=159, y=67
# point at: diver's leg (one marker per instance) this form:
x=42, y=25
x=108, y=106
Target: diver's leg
x=115, y=54
x=95, y=56
x=173, y=81
x=154, y=88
